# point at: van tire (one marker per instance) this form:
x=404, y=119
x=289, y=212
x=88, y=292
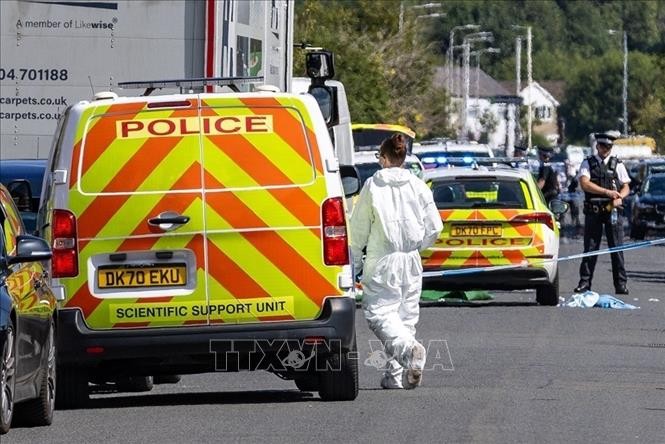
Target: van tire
x=339, y=381
x=39, y=411
x=72, y=383
x=549, y=294
x=135, y=384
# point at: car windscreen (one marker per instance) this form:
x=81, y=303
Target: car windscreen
x=479, y=192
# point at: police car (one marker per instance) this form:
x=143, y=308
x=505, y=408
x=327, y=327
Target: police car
x=496, y=222
x=437, y=153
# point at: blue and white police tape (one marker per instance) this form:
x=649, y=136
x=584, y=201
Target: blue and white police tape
x=525, y=264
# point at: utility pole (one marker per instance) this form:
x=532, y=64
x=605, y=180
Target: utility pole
x=625, y=84
x=529, y=81
x=518, y=65
x=465, y=110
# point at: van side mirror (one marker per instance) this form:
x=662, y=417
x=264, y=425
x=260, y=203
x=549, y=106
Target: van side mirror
x=21, y=192
x=350, y=180
x=320, y=65
x=326, y=97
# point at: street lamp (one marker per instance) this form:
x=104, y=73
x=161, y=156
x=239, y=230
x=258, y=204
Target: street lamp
x=467, y=27
x=625, y=79
x=423, y=6
x=477, y=53
x=484, y=36
x=529, y=78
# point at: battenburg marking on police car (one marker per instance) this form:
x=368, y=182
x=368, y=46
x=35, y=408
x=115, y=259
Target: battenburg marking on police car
x=187, y=311
x=187, y=126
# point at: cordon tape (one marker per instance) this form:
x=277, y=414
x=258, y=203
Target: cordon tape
x=525, y=264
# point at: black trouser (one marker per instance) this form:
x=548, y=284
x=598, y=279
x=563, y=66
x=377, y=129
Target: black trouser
x=593, y=233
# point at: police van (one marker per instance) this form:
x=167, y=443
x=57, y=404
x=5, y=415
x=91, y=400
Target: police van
x=199, y=232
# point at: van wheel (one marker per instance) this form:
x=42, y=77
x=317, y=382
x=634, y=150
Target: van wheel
x=72, y=385
x=339, y=381
x=549, y=294
x=166, y=379
x=7, y=378
x=39, y=411
x=135, y=384
x=307, y=382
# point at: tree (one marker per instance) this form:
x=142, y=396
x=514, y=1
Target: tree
x=387, y=74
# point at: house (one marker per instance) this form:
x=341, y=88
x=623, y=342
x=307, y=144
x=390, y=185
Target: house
x=491, y=108
x=545, y=100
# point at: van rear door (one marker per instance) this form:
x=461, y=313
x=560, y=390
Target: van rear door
x=264, y=190
x=135, y=189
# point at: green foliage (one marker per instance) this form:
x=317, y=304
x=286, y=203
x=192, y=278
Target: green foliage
x=388, y=73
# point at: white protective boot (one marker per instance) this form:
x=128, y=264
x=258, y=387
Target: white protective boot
x=413, y=376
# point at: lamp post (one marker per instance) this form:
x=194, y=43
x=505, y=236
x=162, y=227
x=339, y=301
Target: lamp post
x=477, y=53
x=423, y=6
x=625, y=80
x=529, y=79
x=485, y=36
x=451, y=44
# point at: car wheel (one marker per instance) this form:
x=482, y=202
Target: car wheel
x=549, y=294
x=73, y=389
x=637, y=232
x=7, y=378
x=135, y=384
x=39, y=411
x=339, y=381
x=166, y=379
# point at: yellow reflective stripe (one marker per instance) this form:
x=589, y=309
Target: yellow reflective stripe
x=85, y=122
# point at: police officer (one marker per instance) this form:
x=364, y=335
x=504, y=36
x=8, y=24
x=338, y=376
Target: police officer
x=547, y=178
x=604, y=180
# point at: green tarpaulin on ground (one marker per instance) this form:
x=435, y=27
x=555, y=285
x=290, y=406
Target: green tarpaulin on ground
x=434, y=296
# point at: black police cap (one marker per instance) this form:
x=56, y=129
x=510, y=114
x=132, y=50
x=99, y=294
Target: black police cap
x=604, y=138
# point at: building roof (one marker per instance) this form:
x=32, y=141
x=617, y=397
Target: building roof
x=556, y=88
x=487, y=86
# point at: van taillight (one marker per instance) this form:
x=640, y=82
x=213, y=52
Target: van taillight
x=541, y=218
x=64, y=262
x=335, y=240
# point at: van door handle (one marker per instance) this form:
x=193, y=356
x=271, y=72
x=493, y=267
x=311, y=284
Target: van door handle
x=176, y=220
x=168, y=220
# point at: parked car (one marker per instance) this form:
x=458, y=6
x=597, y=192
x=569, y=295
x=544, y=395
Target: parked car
x=23, y=178
x=369, y=136
x=648, y=207
x=648, y=167
x=494, y=217
x=27, y=324
x=436, y=153
x=368, y=164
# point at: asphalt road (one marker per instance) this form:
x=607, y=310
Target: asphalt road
x=500, y=371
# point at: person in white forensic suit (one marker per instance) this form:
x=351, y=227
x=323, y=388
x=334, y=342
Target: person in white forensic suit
x=394, y=219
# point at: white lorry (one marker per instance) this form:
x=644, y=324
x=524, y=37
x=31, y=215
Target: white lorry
x=54, y=54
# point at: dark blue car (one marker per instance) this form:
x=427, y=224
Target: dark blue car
x=23, y=178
